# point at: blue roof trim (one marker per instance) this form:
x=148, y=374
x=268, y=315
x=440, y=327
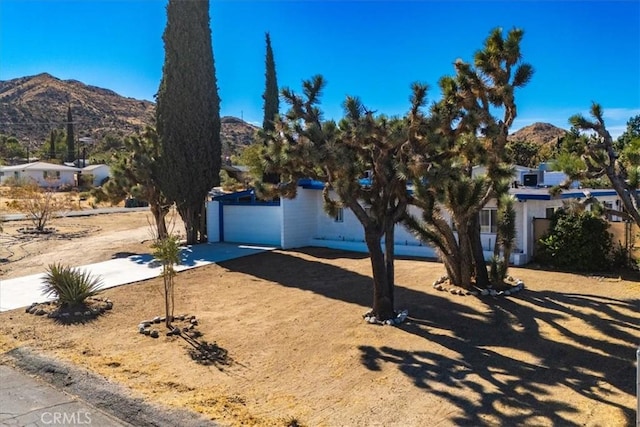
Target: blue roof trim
x=246, y=197
x=311, y=184
x=573, y=194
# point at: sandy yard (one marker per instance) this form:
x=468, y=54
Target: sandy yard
x=296, y=348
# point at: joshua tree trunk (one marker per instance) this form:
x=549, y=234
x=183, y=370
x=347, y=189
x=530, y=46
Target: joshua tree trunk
x=482, y=277
x=382, y=294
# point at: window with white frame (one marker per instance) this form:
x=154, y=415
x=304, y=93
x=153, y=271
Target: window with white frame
x=339, y=215
x=489, y=220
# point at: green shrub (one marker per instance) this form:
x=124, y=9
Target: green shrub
x=576, y=241
x=70, y=286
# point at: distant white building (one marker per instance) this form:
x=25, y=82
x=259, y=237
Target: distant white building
x=99, y=172
x=44, y=174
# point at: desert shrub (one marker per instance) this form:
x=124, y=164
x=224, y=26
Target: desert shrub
x=98, y=194
x=576, y=241
x=70, y=286
x=498, y=270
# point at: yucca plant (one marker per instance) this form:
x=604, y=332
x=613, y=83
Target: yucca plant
x=70, y=286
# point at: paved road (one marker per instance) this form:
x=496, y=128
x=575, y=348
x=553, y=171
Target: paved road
x=27, y=401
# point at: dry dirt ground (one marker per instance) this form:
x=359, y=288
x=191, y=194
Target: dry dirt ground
x=289, y=342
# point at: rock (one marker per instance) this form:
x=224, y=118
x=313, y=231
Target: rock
x=180, y=317
x=65, y=314
x=87, y=313
x=440, y=287
x=77, y=314
x=162, y=319
x=372, y=319
x=147, y=332
x=507, y=293
x=108, y=305
x=474, y=293
x=401, y=317
x=141, y=329
x=33, y=309
x=484, y=292
x=454, y=291
x=192, y=326
x=194, y=321
x=185, y=329
x=493, y=292
x=389, y=322
x=156, y=319
x=40, y=312
x=145, y=323
x=53, y=315
x=154, y=333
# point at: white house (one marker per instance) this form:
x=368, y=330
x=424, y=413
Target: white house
x=45, y=174
x=241, y=218
x=99, y=172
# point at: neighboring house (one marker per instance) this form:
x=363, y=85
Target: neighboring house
x=99, y=172
x=44, y=174
x=291, y=223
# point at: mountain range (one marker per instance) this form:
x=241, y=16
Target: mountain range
x=30, y=107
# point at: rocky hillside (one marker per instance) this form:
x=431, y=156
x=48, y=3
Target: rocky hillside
x=538, y=133
x=30, y=107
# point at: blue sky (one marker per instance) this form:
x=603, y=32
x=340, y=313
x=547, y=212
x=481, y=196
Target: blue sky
x=582, y=51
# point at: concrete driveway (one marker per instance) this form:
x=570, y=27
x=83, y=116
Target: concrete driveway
x=22, y=291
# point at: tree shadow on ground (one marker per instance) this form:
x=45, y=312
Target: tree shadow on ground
x=205, y=353
x=510, y=389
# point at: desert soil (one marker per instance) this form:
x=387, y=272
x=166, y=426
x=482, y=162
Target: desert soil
x=286, y=327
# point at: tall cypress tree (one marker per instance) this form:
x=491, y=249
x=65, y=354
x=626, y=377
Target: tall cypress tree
x=52, y=144
x=188, y=115
x=270, y=96
x=70, y=137
x=271, y=101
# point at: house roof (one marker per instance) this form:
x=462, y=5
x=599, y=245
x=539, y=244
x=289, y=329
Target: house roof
x=94, y=167
x=39, y=166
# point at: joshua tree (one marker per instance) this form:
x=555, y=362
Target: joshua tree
x=304, y=146
x=460, y=133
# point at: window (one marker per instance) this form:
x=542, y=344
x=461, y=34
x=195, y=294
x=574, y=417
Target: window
x=51, y=174
x=339, y=216
x=548, y=212
x=489, y=220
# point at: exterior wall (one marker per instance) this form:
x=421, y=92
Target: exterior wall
x=252, y=224
x=99, y=172
x=349, y=235
x=66, y=177
x=299, y=218
x=213, y=221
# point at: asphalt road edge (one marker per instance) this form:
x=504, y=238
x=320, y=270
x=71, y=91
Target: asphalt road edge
x=106, y=396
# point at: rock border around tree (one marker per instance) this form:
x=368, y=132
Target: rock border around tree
x=440, y=285
x=91, y=309
x=189, y=323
